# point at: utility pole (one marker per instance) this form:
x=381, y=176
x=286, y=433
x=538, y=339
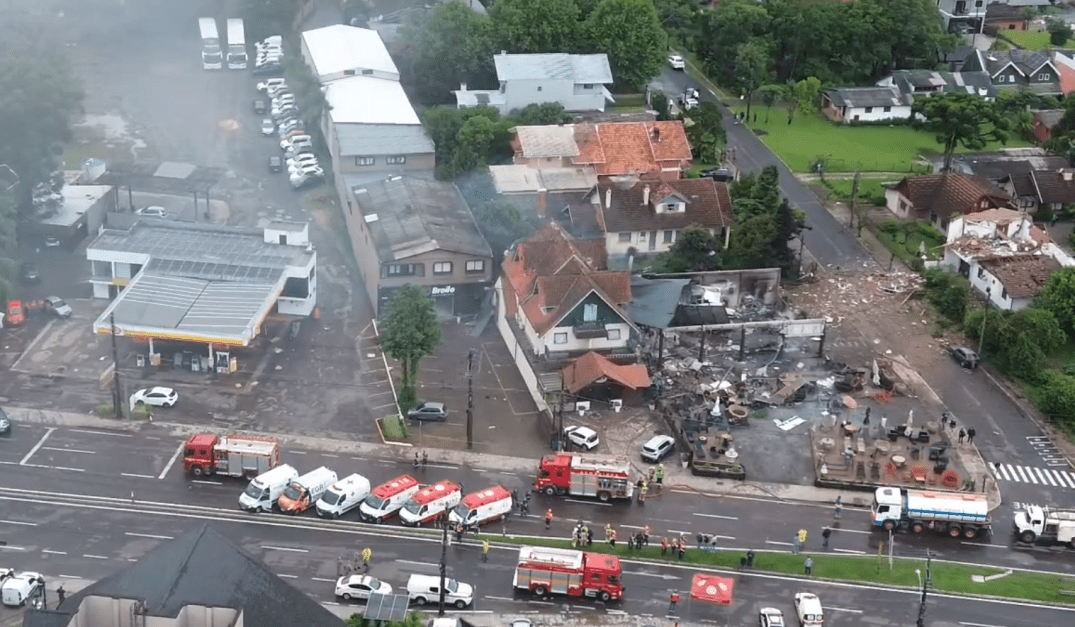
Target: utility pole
x=117, y=395
x=854, y=201
x=927, y=583
x=443, y=564
x=470, y=400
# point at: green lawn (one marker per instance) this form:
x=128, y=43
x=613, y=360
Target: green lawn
x=1029, y=40
x=845, y=148
x=871, y=191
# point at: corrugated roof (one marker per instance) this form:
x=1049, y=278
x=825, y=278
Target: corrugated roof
x=543, y=142
x=383, y=139
x=654, y=301
x=368, y=100
x=408, y=216
x=865, y=97
x=522, y=179
x=578, y=68
x=337, y=48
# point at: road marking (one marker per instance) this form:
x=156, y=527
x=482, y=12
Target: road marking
x=10, y=463
x=67, y=450
x=778, y=543
x=71, y=577
x=283, y=548
x=18, y=522
x=39, y=444
x=498, y=598
x=207, y=482
x=851, y=551
x=94, y=557
x=443, y=466
x=118, y=435
x=539, y=602
x=977, y=624
x=842, y=609
x=171, y=461
x=152, y=437
x=835, y=529
x=54, y=467
x=54, y=552
x=8, y=547
x=136, y=476
x=1044, y=478
x=998, y=546
x=149, y=535
x=327, y=455
x=682, y=533
x=588, y=502
x=289, y=576
x=330, y=580
x=298, y=452
x=418, y=563
x=717, y=516
x=359, y=459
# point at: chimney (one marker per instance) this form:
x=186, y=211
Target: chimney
x=543, y=203
x=656, y=134
x=462, y=86
x=645, y=195
x=608, y=198
x=1066, y=173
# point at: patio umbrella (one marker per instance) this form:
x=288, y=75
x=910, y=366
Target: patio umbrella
x=712, y=589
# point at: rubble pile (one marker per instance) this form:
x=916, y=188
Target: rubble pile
x=838, y=296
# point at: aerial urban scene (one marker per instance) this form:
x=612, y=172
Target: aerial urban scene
x=479, y=313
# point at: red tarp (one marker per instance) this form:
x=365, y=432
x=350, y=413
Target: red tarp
x=712, y=589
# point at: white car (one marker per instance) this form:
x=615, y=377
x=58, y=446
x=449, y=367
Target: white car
x=159, y=397
x=657, y=447
x=770, y=617
x=808, y=609
x=57, y=306
x=306, y=167
x=582, y=437
x=268, y=127
x=360, y=587
x=676, y=62
x=301, y=161
x=288, y=142
x=152, y=212
x=17, y=590
x=271, y=84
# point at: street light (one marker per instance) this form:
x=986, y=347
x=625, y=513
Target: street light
x=985, y=316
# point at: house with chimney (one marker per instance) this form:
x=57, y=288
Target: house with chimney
x=937, y=198
x=1041, y=189
x=1031, y=70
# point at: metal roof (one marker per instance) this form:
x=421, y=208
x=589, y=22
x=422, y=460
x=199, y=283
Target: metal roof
x=168, y=177
x=865, y=97
x=387, y=607
x=578, y=68
x=369, y=100
x=382, y=139
x=522, y=179
x=479, y=98
x=337, y=48
x=540, y=142
x=654, y=301
x=408, y=216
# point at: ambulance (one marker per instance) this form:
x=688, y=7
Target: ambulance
x=387, y=499
x=431, y=503
x=482, y=506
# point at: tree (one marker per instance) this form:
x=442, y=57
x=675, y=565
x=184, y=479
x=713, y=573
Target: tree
x=706, y=132
x=448, y=46
x=789, y=225
x=544, y=114
x=724, y=29
x=659, y=102
x=695, y=250
x=1059, y=297
x=1059, y=31
x=409, y=332
x=269, y=17
x=960, y=119
x=629, y=32
x=484, y=141
x=536, y=26
x=752, y=68
x=949, y=292
x=474, y=144
x=807, y=94
x=413, y=619
x=769, y=95
x=1056, y=398
x=311, y=98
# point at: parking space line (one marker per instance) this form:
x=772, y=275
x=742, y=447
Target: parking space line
x=70, y=577
x=54, y=467
x=136, y=476
x=284, y=548
x=8, y=547
x=717, y=516
x=94, y=557
x=67, y=450
x=18, y=522
x=149, y=535
x=171, y=461
x=332, y=580
x=203, y=481
x=118, y=435
x=288, y=576
x=54, y=552
x=37, y=446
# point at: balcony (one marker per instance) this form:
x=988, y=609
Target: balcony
x=590, y=330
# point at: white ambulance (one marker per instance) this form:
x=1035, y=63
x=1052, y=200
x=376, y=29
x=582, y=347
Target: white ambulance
x=387, y=499
x=431, y=503
x=344, y=495
x=482, y=506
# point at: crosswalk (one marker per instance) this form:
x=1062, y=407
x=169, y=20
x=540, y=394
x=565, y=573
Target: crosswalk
x=1029, y=474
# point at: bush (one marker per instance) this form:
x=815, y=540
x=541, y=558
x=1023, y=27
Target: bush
x=1056, y=397
x=950, y=293
x=407, y=400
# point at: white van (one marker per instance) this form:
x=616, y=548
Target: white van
x=424, y=589
x=387, y=499
x=263, y=491
x=431, y=503
x=344, y=495
x=301, y=494
x=481, y=507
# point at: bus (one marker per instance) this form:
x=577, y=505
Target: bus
x=212, y=59
x=236, y=45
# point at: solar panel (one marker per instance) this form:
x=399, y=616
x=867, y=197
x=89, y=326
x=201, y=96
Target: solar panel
x=390, y=607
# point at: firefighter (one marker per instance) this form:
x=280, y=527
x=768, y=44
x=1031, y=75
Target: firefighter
x=548, y=519
x=367, y=555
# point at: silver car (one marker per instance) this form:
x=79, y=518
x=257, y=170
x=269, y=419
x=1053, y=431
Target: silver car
x=56, y=305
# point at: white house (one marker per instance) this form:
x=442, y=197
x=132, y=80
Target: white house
x=577, y=81
x=865, y=104
x=1003, y=255
x=340, y=51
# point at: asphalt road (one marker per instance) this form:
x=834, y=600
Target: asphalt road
x=828, y=241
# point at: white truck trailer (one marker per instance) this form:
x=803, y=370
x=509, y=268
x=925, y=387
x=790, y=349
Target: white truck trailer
x=956, y=514
x=236, y=44
x=1044, y=525
x=212, y=57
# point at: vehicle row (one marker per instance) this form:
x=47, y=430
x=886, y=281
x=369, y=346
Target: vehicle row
x=285, y=122
x=421, y=589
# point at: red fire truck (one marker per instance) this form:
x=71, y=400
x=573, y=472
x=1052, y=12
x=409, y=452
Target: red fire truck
x=234, y=456
x=590, y=475
x=562, y=571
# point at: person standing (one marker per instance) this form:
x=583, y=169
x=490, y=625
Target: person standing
x=589, y=536
x=838, y=509
x=367, y=556
x=682, y=550
x=660, y=476
x=962, y=435
x=485, y=550
x=672, y=600
x=664, y=546
x=825, y=533
x=548, y=519
x=970, y=435
x=612, y=538
x=802, y=537
x=809, y=566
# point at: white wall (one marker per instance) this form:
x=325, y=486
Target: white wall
x=518, y=355
x=520, y=93
x=575, y=344
x=877, y=113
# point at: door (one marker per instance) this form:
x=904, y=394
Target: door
x=653, y=240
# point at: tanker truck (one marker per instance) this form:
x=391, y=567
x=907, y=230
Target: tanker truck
x=955, y=514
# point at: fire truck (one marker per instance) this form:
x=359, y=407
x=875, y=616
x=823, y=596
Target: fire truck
x=578, y=475
x=545, y=571
x=234, y=456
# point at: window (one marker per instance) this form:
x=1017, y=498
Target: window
x=476, y=265
x=1004, y=294
x=669, y=237
x=613, y=334
x=625, y=238
x=888, y=109
x=587, y=85
x=977, y=4
x=396, y=160
x=404, y=269
x=365, y=161
x=442, y=267
x=671, y=206
x=367, y=72
x=559, y=338
x=1000, y=79
x=1011, y=78
x=539, y=87
x=869, y=109
x=1044, y=76
x=981, y=272
x=348, y=72
x=589, y=312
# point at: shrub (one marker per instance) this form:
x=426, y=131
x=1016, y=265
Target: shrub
x=1056, y=397
x=950, y=293
x=407, y=399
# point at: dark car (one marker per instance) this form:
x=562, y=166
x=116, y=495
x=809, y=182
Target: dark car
x=269, y=69
x=260, y=106
x=719, y=174
x=28, y=273
x=429, y=411
x=964, y=356
x=276, y=163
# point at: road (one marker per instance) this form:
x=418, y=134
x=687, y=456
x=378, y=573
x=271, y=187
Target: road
x=827, y=240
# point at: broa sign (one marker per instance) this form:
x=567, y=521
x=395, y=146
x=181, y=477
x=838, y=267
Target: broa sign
x=442, y=291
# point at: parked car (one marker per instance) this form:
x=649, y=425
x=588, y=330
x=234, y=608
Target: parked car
x=271, y=83
x=153, y=212
x=56, y=305
x=276, y=163
x=271, y=69
x=52, y=242
x=22, y=588
x=657, y=447
x=28, y=273
x=582, y=437
x=268, y=127
x=260, y=106
x=300, y=180
x=808, y=609
x=722, y=175
x=770, y=617
x=16, y=315
x=360, y=587
x=964, y=356
x=5, y=429
x=676, y=62
x=158, y=397
x=429, y=410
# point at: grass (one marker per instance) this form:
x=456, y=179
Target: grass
x=871, y=191
x=845, y=148
x=1027, y=39
x=394, y=428
x=629, y=103
x=904, y=238
x=947, y=577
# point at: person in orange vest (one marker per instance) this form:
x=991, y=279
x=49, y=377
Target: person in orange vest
x=672, y=600
x=612, y=538
x=548, y=519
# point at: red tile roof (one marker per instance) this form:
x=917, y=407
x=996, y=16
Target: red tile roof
x=591, y=367
x=707, y=204
x=633, y=147
x=945, y=194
